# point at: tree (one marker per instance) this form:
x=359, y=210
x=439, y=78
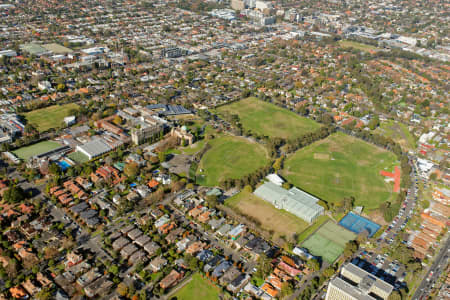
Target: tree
x=350, y=248
x=114, y=269
x=61, y=87
x=374, y=123
x=395, y=295
x=212, y=200
x=313, y=264
x=122, y=289
x=54, y=169
x=44, y=294
x=191, y=262
x=162, y=156
x=286, y=289
x=131, y=169
x=328, y=272
x=14, y=194
x=264, y=266
x=286, y=185
x=117, y=120
x=433, y=176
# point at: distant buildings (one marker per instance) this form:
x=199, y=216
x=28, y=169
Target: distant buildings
x=354, y=283
x=237, y=4
x=182, y=135
x=8, y=53
x=146, y=130
x=226, y=14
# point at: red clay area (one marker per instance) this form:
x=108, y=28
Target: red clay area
x=396, y=175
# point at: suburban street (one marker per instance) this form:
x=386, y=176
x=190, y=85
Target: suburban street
x=433, y=273
x=406, y=210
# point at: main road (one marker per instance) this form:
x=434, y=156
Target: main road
x=433, y=273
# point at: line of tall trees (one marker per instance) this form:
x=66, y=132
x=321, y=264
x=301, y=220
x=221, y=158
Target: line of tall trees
x=251, y=179
x=309, y=138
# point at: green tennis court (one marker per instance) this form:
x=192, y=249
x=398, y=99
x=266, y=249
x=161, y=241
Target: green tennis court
x=328, y=241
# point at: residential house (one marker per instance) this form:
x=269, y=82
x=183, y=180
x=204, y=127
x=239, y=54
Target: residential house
x=171, y=279
x=158, y=263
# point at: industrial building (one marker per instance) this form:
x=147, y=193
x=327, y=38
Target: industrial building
x=354, y=283
x=295, y=201
x=94, y=148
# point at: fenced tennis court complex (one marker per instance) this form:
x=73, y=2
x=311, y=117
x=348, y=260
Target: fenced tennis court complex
x=358, y=224
x=328, y=242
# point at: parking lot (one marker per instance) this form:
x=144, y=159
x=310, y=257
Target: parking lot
x=381, y=266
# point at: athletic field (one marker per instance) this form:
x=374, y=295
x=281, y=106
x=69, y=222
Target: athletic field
x=50, y=117
x=265, y=118
x=269, y=217
x=358, y=46
x=26, y=152
x=328, y=241
x=78, y=157
x=198, y=288
x=342, y=166
x=230, y=157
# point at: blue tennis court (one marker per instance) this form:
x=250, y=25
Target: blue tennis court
x=358, y=224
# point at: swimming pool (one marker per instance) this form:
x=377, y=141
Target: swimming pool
x=64, y=165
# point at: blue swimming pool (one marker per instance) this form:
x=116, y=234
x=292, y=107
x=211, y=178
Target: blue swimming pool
x=358, y=224
x=64, y=165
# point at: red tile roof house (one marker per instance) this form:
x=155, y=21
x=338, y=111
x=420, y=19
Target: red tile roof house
x=171, y=279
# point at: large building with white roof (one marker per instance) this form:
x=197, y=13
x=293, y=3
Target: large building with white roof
x=355, y=283
x=295, y=201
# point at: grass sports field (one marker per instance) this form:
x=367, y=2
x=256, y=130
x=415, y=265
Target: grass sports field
x=198, y=288
x=280, y=221
x=328, y=241
x=398, y=132
x=78, y=157
x=341, y=166
x=358, y=46
x=230, y=157
x=49, y=117
x=26, y=152
x=268, y=119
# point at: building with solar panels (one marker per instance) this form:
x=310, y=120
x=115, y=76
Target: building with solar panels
x=295, y=201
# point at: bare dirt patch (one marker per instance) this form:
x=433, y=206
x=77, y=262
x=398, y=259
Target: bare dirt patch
x=376, y=216
x=322, y=156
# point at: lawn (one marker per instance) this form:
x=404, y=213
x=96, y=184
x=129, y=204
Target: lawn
x=78, y=157
x=308, y=231
x=270, y=218
x=198, y=288
x=230, y=157
x=399, y=132
x=342, y=166
x=49, y=117
x=328, y=241
x=268, y=119
x=358, y=46
x=26, y=152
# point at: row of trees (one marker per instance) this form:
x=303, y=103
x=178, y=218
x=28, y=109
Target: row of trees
x=251, y=179
x=309, y=138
